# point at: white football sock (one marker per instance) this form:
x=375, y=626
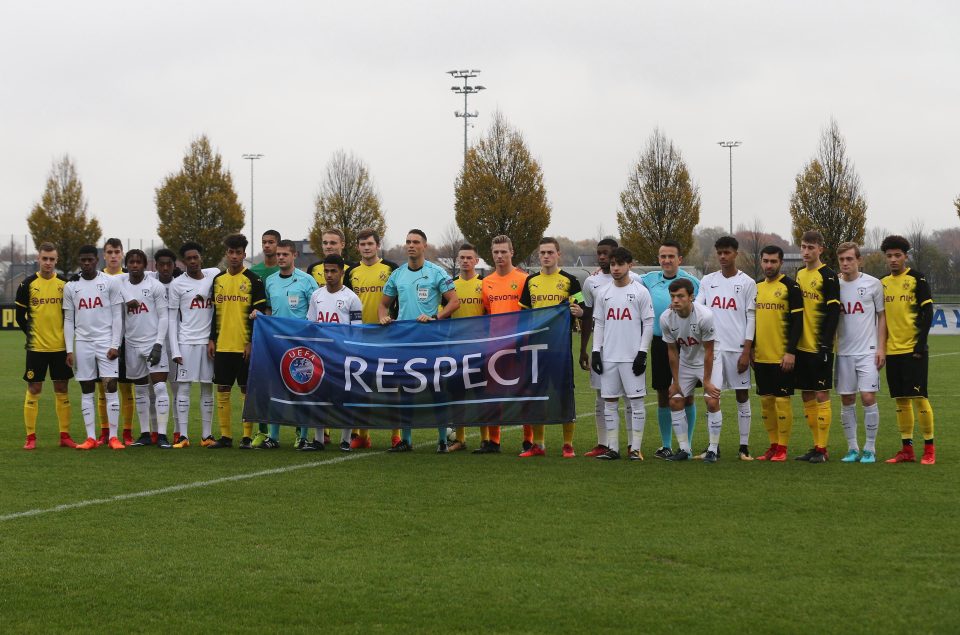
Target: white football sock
x=714, y=425
x=743, y=421
x=600, y=419
x=87, y=402
x=183, y=407
x=141, y=399
x=871, y=421
x=611, y=418
x=113, y=412
x=638, y=419
x=162, y=402
x=345, y=435
x=153, y=411
x=206, y=409
x=678, y=419
x=848, y=417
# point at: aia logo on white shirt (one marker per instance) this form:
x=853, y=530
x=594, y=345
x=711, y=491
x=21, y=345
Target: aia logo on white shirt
x=728, y=304
x=619, y=314
x=90, y=303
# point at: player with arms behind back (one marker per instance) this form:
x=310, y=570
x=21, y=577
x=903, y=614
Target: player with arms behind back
x=622, y=334
x=909, y=308
x=861, y=351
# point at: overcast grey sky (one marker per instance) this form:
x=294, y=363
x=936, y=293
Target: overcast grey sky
x=124, y=86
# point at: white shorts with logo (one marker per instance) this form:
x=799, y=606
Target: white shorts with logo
x=135, y=357
x=91, y=361
x=690, y=375
x=618, y=380
x=856, y=373
x=595, y=381
x=197, y=365
x=732, y=380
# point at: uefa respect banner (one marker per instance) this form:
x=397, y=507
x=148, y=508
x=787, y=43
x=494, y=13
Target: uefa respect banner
x=494, y=369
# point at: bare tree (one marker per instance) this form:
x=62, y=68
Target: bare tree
x=348, y=200
x=752, y=240
x=448, y=245
x=873, y=237
x=828, y=196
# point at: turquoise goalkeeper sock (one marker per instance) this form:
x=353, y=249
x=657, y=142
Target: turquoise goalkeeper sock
x=691, y=412
x=442, y=434
x=407, y=435
x=274, y=431
x=666, y=426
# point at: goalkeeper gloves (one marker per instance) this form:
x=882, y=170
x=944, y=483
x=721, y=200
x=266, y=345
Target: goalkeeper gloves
x=640, y=363
x=596, y=363
x=154, y=357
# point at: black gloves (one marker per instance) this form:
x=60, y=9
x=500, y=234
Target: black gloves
x=154, y=357
x=640, y=363
x=596, y=363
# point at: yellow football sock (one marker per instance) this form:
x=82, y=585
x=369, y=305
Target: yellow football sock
x=784, y=420
x=768, y=414
x=905, y=417
x=247, y=425
x=810, y=410
x=461, y=434
x=101, y=405
x=395, y=433
x=568, y=429
x=364, y=433
x=484, y=433
x=224, y=413
x=63, y=410
x=925, y=415
x=824, y=419
x=126, y=405
x=538, y=434
x=31, y=408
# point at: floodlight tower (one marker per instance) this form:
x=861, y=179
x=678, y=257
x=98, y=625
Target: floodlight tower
x=253, y=238
x=466, y=90
x=730, y=145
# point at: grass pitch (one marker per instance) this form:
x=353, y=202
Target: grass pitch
x=461, y=543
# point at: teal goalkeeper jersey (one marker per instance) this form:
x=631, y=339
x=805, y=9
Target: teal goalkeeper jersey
x=289, y=296
x=660, y=293
x=418, y=291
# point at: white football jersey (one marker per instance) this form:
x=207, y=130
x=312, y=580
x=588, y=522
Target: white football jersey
x=89, y=304
x=623, y=322
x=147, y=324
x=733, y=302
x=191, y=309
x=594, y=283
x=860, y=302
x=690, y=333
x=342, y=307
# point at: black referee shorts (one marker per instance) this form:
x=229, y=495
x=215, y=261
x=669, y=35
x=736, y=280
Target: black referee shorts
x=659, y=364
x=907, y=375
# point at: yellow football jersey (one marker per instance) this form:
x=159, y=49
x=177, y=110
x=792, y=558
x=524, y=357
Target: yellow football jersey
x=776, y=301
x=820, y=288
x=43, y=300
x=470, y=293
x=234, y=297
x=367, y=281
x=903, y=295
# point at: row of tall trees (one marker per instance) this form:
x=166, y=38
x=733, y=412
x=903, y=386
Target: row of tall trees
x=499, y=190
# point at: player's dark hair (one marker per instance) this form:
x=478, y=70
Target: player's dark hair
x=235, y=241
x=113, y=242
x=334, y=259
x=88, y=249
x=548, y=240
x=163, y=252
x=672, y=243
x=621, y=256
x=368, y=232
x=136, y=253
x=608, y=242
x=773, y=249
x=895, y=242
x=727, y=242
x=286, y=243
x=190, y=246
x=681, y=283
x=467, y=247
x=812, y=237
x=271, y=232
x=418, y=232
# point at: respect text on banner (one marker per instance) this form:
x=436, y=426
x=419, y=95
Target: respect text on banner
x=496, y=369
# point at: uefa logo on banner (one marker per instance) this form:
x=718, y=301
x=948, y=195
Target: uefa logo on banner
x=301, y=370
